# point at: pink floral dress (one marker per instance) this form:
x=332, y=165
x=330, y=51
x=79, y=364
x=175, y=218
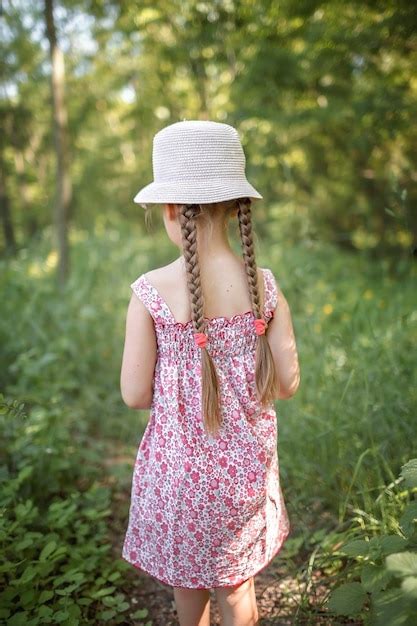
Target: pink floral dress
x=205, y=512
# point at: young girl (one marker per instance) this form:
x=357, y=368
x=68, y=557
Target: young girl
x=209, y=346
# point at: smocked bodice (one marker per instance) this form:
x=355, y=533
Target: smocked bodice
x=227, y=337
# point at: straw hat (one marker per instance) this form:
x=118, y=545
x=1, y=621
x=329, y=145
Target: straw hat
x=197, y=161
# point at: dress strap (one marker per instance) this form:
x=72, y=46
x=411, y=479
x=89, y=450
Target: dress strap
x=152, y=300
x=270, y=293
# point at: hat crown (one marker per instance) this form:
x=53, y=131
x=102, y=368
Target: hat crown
x=197, y=150
x=197, y=161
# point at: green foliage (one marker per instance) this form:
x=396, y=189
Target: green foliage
x=323, y=94
x=386, y=565
x=409, y=473
x=356, y=329
x=347, y=431
x=348, y=599
x=57, y=565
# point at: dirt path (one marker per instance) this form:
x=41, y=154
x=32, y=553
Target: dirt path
x=271, y=591
x=278, y=598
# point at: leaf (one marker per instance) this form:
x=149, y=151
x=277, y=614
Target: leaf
x=28, y=574
x=68, y=577
x=45, y=596
x=140, y=614
x=402, y=564
x=106, y=591
x=61, y=616
x=348, y=599
x=108, y=614
x=25, y=543
x=374, y=577
x=409, y=586
x=66, y=591
x=392, y=543
x=18, y=619
x=24, y=473
x=389, y=608
x=356, y=547
x=47, y=550
x=45, y=611
x=408, y=519
x=409, y=473
x=27, y=598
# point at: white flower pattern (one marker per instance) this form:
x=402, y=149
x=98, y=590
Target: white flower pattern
x=205, y=512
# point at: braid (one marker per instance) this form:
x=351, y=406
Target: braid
x=192, y=266
x=211, y=411
x=265, y=372
x=248, y=251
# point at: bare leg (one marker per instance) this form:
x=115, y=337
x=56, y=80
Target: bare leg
x=193, y=606
x=237, y=604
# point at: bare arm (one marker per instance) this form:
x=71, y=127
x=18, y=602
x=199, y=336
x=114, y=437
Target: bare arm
x=282, y=342
x=139, y=356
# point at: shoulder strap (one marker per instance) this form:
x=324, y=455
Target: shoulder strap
x=152, y=300
x=160, y=311
x=270, y=293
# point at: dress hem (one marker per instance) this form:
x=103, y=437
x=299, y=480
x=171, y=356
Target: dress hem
x=239, y=582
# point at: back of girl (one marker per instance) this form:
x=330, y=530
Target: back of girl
x=209, y=347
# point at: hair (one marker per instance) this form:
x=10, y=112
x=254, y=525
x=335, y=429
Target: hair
x=265, y=373
x=148, y=215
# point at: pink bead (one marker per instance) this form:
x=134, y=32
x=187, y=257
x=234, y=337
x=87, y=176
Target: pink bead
x=200, y=339
x=260, y=326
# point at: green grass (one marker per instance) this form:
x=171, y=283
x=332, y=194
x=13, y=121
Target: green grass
x=342, y=438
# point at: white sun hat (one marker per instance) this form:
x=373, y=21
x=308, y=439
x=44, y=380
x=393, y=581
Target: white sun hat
x=197, y=161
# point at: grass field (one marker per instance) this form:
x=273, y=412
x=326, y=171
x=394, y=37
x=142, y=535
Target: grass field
x=342, y=439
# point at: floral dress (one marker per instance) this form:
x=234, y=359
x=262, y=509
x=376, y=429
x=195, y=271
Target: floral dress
x=205, y=512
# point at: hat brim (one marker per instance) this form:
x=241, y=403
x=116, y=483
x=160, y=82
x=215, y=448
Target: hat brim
x=187, y=191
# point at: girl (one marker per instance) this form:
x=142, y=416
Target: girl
x=209, y=346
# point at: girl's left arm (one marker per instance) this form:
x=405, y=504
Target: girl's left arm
x=139, y=356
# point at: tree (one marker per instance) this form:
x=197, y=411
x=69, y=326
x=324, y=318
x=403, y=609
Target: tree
x=63, y=179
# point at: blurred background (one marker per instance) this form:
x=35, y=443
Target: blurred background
x=324, y=96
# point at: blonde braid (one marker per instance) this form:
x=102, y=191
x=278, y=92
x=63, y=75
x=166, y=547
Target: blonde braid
x=211, y=411
x=248, y=251
x=265, y=371
x=189, y=238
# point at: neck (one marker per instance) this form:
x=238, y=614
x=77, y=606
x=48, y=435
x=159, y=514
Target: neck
x=213, y=243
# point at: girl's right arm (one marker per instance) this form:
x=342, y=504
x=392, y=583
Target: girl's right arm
x=282, y=342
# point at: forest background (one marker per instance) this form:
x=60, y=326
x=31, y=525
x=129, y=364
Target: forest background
x=324, y=96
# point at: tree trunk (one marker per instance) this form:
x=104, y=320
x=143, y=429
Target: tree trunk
x=5, y=213
x=63, y=180
x=31, y=222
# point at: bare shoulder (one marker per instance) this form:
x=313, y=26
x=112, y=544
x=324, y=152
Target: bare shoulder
x=165, y=275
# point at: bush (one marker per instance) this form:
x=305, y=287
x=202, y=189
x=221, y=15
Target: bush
x=383, y=575
x=57, y=564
